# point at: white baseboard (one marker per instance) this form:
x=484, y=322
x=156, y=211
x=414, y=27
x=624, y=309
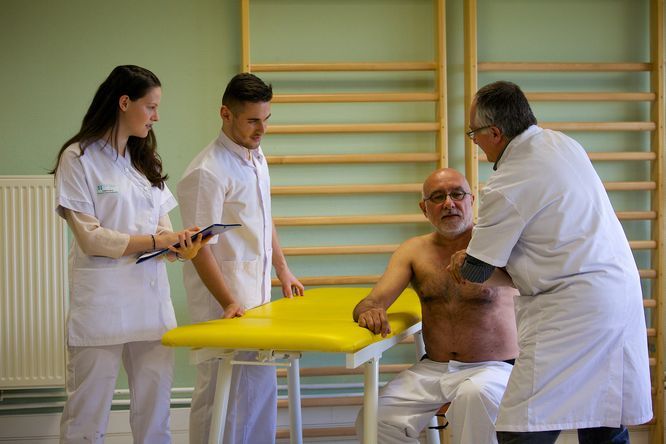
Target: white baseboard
x=45, y=428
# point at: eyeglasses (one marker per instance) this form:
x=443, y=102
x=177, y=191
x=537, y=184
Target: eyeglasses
x=472, y=133
x=438, y=197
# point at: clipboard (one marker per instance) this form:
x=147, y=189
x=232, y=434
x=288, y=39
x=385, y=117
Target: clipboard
x=211, y=230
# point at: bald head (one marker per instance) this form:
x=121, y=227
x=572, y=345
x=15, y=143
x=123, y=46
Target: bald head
x=444, y=175
x=447, y=203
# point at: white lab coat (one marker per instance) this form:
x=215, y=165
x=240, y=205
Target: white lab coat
x=583, y=350
x=113, y=301
x=118, y=309
x=227, y=183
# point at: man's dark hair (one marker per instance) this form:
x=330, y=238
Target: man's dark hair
x=246, y=87
x=503, y=104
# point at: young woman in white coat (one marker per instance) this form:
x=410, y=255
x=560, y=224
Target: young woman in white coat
x=112, y=192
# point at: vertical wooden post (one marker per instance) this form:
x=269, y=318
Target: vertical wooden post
x=245, y=36
x=471, y=60
x=440, y=83
x=657, y=146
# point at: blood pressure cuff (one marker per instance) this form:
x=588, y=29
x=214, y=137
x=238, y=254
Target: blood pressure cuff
x=475, y=270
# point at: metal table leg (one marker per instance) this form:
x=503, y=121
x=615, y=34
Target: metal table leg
x=370, y=401
x=294, y=394
x=221, y=401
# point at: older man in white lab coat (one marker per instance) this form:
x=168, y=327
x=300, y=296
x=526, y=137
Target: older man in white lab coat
x=545, y=216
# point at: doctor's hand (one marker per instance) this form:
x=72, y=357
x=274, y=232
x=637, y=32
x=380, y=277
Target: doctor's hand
x=290, y=285
x=457, y=260
x=233, y=310
x=375, y=320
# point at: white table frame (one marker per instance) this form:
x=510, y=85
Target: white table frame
x=368, y=356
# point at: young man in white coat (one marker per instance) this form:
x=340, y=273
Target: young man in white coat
x=228, y=183
x=545, y=216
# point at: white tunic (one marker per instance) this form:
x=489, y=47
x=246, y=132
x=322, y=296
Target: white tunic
x=583, y=349
x=227, y=183
x=113, y=301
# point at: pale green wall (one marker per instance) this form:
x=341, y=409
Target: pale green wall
x=55, y=53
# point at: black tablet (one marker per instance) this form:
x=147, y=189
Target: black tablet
x=210, y=230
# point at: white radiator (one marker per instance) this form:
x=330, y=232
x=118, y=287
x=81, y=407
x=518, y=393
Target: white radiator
x=33, y=284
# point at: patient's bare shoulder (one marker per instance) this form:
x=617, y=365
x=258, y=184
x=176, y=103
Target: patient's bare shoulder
x=415, y=249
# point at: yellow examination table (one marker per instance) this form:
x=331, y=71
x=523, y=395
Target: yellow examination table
x=321, y=321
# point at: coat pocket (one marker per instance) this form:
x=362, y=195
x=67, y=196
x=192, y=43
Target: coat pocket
x=243, y=279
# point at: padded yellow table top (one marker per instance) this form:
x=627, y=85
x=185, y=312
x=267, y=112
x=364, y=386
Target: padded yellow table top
x=319, y=321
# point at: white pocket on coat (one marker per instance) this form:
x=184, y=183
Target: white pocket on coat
x=243, y=279
x=106, y=287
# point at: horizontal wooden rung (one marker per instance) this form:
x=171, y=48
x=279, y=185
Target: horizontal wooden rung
x=408, y=340
x=353, y=158
x=405, y=219
x=396, y=127
x=343, y=66
x=643, y=245
x=590, y=96
x=330, y=401
x=607, y=156
x=324, y=250
x=630, y=186
x=342, y=371
x=339, y=249
x=636, y=215
x=563, y=66
x=333, y=280
x=623, y=186
x=319, y=432
x=622, y=156
x=415, y=188
x=599, y=126
x=356, y=97
x=350, y=220
x=372, y=279
x=347, y=189
x=649, y=303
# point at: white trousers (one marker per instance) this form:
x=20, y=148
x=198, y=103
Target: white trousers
x=252, y=409
x=91, y=380
x=411, y=399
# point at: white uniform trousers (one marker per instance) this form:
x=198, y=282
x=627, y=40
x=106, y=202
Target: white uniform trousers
x=91, y=379
x=411, y=399
x=252, y=408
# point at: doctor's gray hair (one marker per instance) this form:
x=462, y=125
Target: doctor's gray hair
x=503, y=104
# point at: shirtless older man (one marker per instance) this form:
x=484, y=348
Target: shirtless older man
x=469, y=329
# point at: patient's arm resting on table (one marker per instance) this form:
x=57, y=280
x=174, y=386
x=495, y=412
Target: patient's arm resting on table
x=374, y=319
x=371, y=311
